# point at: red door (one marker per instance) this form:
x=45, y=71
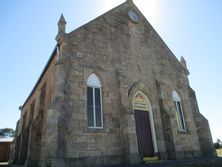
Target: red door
x=144, y=135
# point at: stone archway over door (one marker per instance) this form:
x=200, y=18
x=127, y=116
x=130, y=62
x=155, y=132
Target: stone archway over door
x=142, y=112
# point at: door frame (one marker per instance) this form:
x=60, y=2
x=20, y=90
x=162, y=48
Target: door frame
x=148, y=109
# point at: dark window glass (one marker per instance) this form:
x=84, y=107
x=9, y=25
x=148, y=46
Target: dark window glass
x=97, y=97
x=90, y=117
x=181, y=116
x=90, y=106
x=89, y=96
x=178, y=115
x=98, y=108
x=98, y=117
x=94, y=107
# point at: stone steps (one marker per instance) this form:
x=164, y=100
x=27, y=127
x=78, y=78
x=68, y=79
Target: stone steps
x=148, y=159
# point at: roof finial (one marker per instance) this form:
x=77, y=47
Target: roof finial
x=184, y=64
x=61, y=36
x=62, y=24
x=129, y=2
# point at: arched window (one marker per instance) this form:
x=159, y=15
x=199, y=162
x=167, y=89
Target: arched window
x=94, y=102
x=179, y=112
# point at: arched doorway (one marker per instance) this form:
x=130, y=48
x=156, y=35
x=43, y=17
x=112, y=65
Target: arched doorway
x=144, y=125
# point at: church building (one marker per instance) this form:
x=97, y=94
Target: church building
x=112, y=92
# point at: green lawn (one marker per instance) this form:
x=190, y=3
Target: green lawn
x=219, y=152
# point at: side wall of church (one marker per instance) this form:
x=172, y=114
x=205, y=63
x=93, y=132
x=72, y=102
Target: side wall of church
x=31, y=129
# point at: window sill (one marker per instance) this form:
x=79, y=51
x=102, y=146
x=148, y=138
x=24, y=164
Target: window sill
x=183, y=132
x=95, y=129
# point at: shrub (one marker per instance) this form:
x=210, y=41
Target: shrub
x=217, y=145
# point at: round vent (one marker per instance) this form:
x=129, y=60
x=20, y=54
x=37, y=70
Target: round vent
x=133, y=16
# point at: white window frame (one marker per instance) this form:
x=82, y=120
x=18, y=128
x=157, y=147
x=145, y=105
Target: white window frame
x=179, y=110
x=94, y=83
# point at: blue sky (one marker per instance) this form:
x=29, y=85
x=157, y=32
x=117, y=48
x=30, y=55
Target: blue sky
x=192, y=29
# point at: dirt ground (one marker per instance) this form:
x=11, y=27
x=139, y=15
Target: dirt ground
x=219, y=152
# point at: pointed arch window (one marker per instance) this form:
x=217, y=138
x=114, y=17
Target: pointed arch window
x=179, y=112
x=94, y=102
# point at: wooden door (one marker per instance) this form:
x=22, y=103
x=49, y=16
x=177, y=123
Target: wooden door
x=144, y=135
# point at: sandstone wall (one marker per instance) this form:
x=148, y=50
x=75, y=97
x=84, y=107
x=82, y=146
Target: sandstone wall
x=124, y=56
x=31, y=129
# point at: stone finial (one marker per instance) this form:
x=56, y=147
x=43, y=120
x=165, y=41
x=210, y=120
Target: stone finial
x=62, y=24
x=184, y=64
x=129, y=3
x=20, y=108
x=61, y=36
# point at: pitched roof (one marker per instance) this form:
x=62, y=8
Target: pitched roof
x=9, y=139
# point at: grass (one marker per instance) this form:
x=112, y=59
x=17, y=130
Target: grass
x=212, y=164
x=219, y=152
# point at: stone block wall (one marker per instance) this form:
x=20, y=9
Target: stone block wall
x=100, y=47
x=203, y=129
x=31, y=127
x=127, y=57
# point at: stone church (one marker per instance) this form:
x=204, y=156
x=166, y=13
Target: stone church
x=112, y=92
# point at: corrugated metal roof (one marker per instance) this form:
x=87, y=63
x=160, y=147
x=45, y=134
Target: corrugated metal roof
x=9, y=139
